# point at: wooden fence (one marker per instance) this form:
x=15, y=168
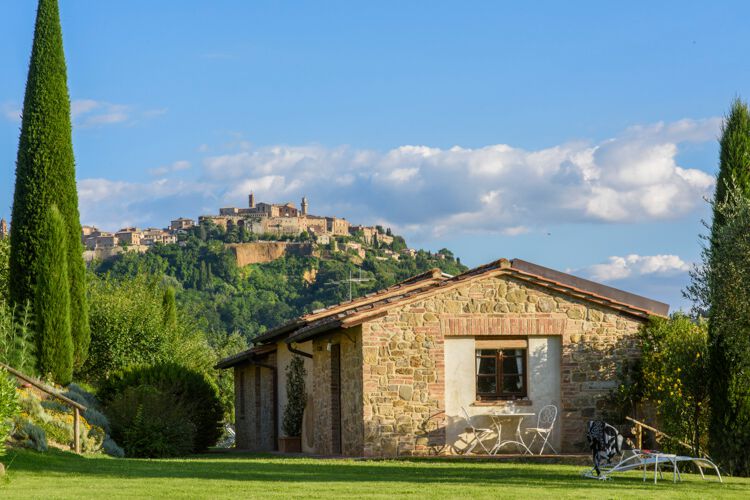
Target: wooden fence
x=77, y=407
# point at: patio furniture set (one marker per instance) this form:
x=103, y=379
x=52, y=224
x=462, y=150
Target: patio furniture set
x=480, y=435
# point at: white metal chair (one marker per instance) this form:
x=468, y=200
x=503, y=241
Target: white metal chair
x=544, y=425
x=478, y=433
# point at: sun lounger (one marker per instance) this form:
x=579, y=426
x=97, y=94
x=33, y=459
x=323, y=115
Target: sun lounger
x=606, y=442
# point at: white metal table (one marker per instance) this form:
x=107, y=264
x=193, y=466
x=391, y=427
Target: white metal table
x=497, y=418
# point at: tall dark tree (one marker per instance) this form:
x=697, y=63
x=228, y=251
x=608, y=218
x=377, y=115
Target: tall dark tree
x=45, y=174
x=52, y=300
x=734, y=157
x=723, y=286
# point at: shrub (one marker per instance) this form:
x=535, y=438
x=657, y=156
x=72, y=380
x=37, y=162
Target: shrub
x=28, y=434
x=112, y=449
x=296, y=397
x=8, y=405
x=151, y=423
x=674, y=371
x=177, y=386
x=55, y=419
x=127, y=329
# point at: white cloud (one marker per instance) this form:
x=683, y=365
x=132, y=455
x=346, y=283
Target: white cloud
x=630, y=178
x=86, y=113
x=429, y=191
x=90, y=113
x=633, y=265
x=174, y=167
x=111, y=204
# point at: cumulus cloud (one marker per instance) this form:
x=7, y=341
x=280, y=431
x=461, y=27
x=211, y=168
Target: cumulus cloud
x=633, y=265
x=111, y=205
x=426, y=191
x=629, y=178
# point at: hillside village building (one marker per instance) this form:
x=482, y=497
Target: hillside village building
x=281, y=219
x=390, y=373
x=260, y=219
x=3, y=229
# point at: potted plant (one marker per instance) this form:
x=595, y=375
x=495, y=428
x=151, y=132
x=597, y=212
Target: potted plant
x=295, y=406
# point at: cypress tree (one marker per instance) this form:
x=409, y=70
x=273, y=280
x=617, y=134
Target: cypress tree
x=169, y=308
x=734, y=157
x=726, y=285
x=45, y=174
x=52, y=301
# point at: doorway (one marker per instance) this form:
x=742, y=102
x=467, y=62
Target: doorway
x=336, y=399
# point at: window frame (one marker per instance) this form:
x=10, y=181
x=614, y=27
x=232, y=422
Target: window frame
x=500, y=394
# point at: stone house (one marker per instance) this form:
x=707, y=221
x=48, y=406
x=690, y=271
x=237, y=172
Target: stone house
x=389, y=373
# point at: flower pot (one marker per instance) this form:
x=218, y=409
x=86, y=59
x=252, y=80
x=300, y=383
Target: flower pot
x=290, y=444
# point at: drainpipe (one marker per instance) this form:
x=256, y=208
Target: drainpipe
x=297, y=351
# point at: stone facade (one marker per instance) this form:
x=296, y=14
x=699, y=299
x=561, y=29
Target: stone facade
x=254, y=406
x=350, y=345
x=406, y=373
x=403, y=355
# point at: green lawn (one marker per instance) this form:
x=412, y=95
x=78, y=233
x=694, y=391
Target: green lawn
x=64, y=475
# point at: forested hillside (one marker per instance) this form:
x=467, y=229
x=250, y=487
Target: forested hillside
x=223, y=298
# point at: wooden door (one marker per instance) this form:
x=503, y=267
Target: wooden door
x=336, y=399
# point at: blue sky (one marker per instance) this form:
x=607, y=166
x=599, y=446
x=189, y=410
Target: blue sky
x=578, y=135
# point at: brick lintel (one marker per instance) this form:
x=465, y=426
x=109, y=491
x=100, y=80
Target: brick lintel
x=452, y=325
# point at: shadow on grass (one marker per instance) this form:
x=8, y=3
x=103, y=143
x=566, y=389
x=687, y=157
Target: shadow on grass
x=274, y=469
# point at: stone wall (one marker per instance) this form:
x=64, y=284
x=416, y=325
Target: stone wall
x=254, y=406
x=403, y=352
x=403, y=380
x=259, y=252
x=350, y=342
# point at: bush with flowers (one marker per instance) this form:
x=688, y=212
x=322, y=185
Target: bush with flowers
x=674, y=370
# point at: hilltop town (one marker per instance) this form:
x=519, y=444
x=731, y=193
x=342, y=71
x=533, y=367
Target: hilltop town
x=257, y=221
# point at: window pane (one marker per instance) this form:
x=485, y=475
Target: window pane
x=512, y=366
x=486, y=366
x=513, y=384
x=486, y=385
x=486, y=352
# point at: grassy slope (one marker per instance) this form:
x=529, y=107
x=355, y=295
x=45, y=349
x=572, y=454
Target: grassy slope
x=63, y=475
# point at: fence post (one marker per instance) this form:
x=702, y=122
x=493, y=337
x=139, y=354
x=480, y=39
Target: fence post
x=77, y=430
x=639, y=434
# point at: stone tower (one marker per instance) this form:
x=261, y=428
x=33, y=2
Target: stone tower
x=3, y=229
x=304, y=205
x=251, y=200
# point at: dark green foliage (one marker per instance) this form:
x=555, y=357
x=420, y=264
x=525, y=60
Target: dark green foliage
x=45, y=174
x=260, y=296
x=722, y=284
x=185, y=389
x=151, y=423
x=169, y=308
x=52, y=301
x=296, y=397
x=734, y=158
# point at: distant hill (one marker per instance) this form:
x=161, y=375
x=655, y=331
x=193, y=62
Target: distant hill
x=223, y=296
